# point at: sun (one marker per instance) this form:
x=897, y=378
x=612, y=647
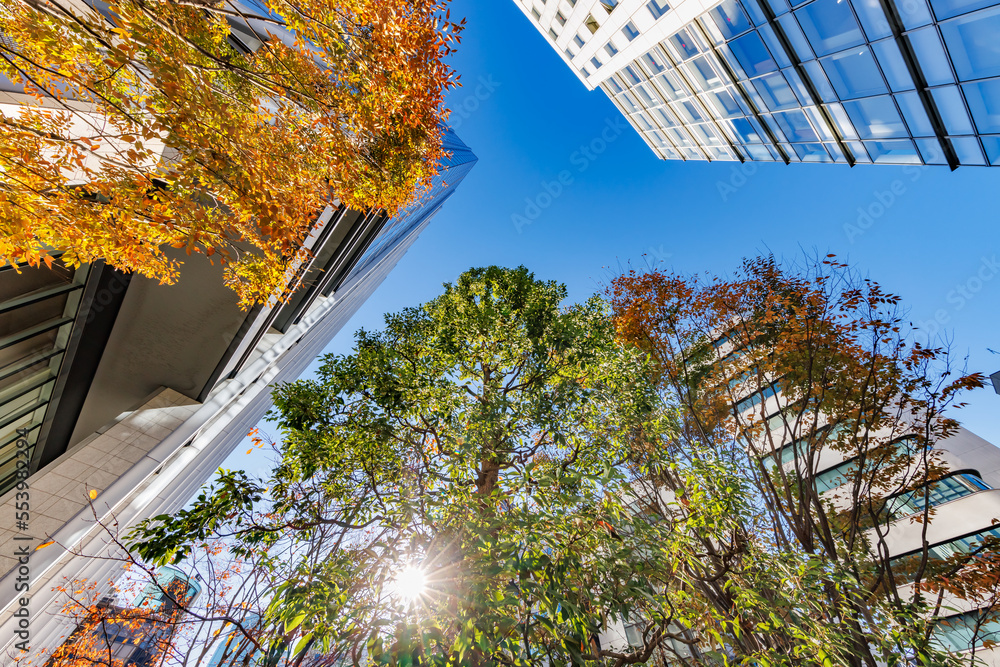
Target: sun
x=410, y=584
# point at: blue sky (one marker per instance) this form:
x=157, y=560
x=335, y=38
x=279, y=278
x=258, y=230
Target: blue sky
x=931, y=234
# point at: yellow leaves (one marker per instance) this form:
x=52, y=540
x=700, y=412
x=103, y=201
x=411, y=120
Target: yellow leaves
x=45, y=544
x=93, y=494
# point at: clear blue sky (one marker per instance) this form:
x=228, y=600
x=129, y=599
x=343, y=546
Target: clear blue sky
x=932, y=238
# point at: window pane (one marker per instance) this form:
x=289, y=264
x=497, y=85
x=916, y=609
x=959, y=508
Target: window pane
x=830, y=26
x=876, y=118
x=984, y=103
x=702, y=73
x=914, y=13
x=730, y=18
x=930, y=55
x=952, y=110
x=795, y=126
x=930, y=151
x=658, y=8
x=872, y=18
x=967, y=150
x=974, y=43
x=915, y=115
x=819, y=80
x=669, y=85
x=775, y=92
x=795, y=36
x=843, y=123
x=610, y=49
x=774, y=46
x=755, y=12
x=893, y=66
x=724, y=104
x=630, y=31
x=746, y=132
x=684, y=45
x=945, y=9
x=595, y=62
x=752, y=54
x=892, y=152
x=812, y=153
x=992, y=146
x=854, y=74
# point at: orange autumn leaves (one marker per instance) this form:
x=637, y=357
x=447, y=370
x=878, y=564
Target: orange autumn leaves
x=210, y=129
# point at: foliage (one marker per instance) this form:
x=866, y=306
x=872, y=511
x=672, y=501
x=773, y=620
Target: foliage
x=565, y=478
x=780, y=373
x=212, y=126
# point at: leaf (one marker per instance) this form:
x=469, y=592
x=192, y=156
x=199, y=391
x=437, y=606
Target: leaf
x=93, y=494
x=45, y=544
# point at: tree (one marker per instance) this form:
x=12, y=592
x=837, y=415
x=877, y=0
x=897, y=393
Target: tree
x=498, y=479
x=836, y=353
x=216, y=126
x=479, y=443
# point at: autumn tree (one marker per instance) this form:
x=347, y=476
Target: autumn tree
x=780, y=372
x=221, y=127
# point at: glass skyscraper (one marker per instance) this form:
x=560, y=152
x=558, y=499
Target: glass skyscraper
x=845, y=81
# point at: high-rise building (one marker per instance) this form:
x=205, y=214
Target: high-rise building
x=843, y=81
x=132, y=393
x=135, y=635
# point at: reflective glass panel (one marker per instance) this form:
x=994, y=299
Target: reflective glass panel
x=830, y=26
x=893, y=66
x=984, y=103
x=752, y=54
x=812, y=153
x=703, y=75
x=795, y=125
x=967, y=150
x=843, y=123
x=952, y=109
x=747, y=133
x=892, y=152
x=930, y=151
x=973, y=41
x=872, y=18
x=658, y=8
x=774, y=46
x=724, y=102
x=992, y=146
x=945, y=9
x=914, y=13
x=670, y=86
x=730, y=18
x=684, y=44
x=876, y=118
x=630, y=31
x=795, y=36
x=930, y=55
x=915, y=115
x=819, y=81
x=854, y=74
x=775, y=92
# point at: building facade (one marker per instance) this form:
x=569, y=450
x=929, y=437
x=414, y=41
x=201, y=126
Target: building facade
x=838, y=81
x=131, y=393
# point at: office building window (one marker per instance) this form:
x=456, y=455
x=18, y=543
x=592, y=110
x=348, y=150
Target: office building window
x=876, y=118
x=657, y=8
x=578, y=40
x=973, y=41
x=595, y=62
x=829, y=26
x=610, y=49
x=560, y=18
x=630, y=31
x=730, y=18
x=592, y=24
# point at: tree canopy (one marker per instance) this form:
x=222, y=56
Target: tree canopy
x=219, y=127
x=498, y=478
